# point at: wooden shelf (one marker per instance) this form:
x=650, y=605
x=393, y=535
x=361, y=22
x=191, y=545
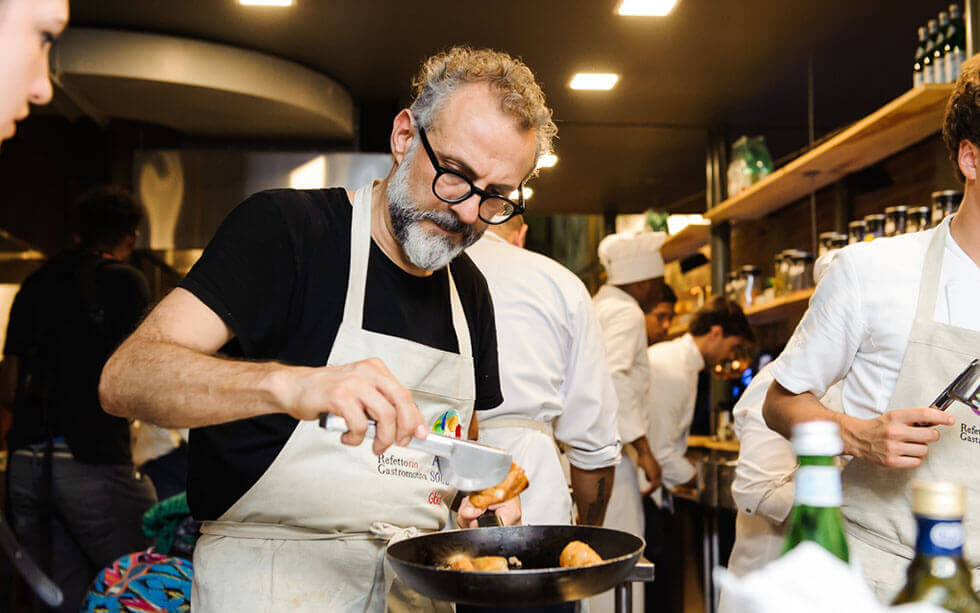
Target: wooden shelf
x=686, y=242
x=782, y=308
x=902, y=122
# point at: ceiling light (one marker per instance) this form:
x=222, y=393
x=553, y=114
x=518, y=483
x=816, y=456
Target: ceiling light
x=266, y=2
x=528, y=192
x=646, y=8
x=594, y=80
x=546, y=161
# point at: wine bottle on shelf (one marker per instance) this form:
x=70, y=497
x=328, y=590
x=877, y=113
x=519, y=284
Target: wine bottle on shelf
x=932, y=30
x=816, y=512
x=918, y=68
x=938, y=57
x=954, y=44
x=938, y=575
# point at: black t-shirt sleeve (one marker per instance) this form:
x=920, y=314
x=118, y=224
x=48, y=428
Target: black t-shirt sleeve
x=247, y=273
x=473, y=289
x=21, y=322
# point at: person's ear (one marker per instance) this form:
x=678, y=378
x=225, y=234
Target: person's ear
x=521, y=236
x=967, y=159
x=402, y=133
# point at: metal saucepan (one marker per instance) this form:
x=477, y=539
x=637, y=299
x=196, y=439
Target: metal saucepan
x=420, y=563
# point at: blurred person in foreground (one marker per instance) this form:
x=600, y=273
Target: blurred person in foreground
x=28, y=28
x=74, y=497
x=896, y=320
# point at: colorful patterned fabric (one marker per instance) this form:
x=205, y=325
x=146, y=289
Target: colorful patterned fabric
x=143, y=582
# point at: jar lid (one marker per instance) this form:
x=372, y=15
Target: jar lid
x=860, y=223
x=750, y=269
x=827, y=235
x=896, y=209
x=874, y=217
x=946, y=193
x=938, y=499
x=817, y=438
x=922, y=210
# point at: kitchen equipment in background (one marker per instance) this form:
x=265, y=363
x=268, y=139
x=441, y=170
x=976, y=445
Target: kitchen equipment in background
x=800, y=270
x=731, y=286
x=750, y=163
x=780, y=268
x=464, y=464
x=896, y=220
x=856, y=230
x=965, y=388
x=420, y=563
x=919, y=219
x=875, y=226
x=830, y=241
x=749, y=285
x=945, y=202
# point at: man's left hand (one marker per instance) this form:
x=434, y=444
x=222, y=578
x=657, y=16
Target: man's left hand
x=509, y=512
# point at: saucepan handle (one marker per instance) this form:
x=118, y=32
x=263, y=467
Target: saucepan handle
x=489, y=519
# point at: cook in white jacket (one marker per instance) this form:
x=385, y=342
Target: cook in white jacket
x=896, y=319
x=553, y=379
x=717, y=331
x=634, y=286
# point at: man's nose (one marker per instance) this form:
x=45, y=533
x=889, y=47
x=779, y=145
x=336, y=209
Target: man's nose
x=41, y=91
x=467, y=210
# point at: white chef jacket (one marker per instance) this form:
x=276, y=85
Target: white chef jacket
x=552, y=369
x=860, y=318
x=624, y=331
x=674, y=368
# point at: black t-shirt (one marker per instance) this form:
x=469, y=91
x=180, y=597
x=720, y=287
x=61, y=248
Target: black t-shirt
x=55, y=332
x=276, y=272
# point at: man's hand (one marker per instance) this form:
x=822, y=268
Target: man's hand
x=358, y=392
x=509, y=512
x=897, y=439
x=648, y=463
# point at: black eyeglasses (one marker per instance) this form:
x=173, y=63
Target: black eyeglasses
x=453, y=187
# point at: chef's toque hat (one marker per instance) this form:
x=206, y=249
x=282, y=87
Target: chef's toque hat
x=629, y=257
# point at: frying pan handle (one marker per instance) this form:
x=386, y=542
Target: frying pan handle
x=489, y=519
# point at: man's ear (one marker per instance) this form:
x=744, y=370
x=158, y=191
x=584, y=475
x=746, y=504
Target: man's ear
x=402, y=133
x=967, y=159
x=717, y=333
x=521, y=236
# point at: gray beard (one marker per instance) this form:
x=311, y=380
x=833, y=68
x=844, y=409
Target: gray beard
x=426, y=250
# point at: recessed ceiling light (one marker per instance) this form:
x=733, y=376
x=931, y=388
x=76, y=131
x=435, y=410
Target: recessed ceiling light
x=646, y=8
x=528, y=192
x=547, y=161
x=266, y=2
x=594, y=80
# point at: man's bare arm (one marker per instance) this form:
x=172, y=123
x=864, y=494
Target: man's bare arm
x=896, y=439
x=591, y=490
x=166, y=373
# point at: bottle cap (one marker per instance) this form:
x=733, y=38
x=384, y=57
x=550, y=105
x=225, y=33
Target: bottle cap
x=938, y=499
x=817, y=438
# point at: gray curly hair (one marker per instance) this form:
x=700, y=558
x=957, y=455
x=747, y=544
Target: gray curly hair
x=520, y=94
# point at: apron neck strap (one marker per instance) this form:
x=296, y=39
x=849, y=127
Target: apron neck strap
x=360, y=252
x=931, y=269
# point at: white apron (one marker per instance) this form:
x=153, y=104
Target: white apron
x=546, y=501
x=310, y=534
x=876, y=502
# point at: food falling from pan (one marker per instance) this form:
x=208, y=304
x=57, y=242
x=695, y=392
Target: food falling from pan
x=513, y=484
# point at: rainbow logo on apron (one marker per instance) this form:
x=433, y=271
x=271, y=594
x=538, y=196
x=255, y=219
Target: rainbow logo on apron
x=448, y=424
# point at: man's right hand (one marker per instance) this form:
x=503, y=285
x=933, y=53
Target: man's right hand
x=358, y=392
x=897, y=439
x=648, y=463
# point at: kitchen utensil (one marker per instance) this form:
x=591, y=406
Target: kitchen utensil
x=465, y=465
x=419, y=562
x=965, y=388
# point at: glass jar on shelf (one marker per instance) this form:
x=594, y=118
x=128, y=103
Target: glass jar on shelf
x=830, y=241
x=896, y=220
x=856, y=230
x=875, y=224
x=944, y=203
x=750, y=285
x=919, y=219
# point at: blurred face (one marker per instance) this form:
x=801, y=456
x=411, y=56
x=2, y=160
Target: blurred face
x=725, y=350
x=27, y=29
x=659, y=321
x=472, y=136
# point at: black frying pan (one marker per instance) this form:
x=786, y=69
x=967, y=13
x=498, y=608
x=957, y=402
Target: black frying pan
x=420, y=563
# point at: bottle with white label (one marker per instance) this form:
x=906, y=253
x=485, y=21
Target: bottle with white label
x=918, y=68
x=816, y=513
x=938, y=52
x=938, y=574
x=954, y=44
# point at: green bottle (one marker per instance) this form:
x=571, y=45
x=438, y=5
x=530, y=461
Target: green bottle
x=938, y=574
x=918, y=68
x=932, y=31
x=816, y=508
x=954, y=45
x=938, y=52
